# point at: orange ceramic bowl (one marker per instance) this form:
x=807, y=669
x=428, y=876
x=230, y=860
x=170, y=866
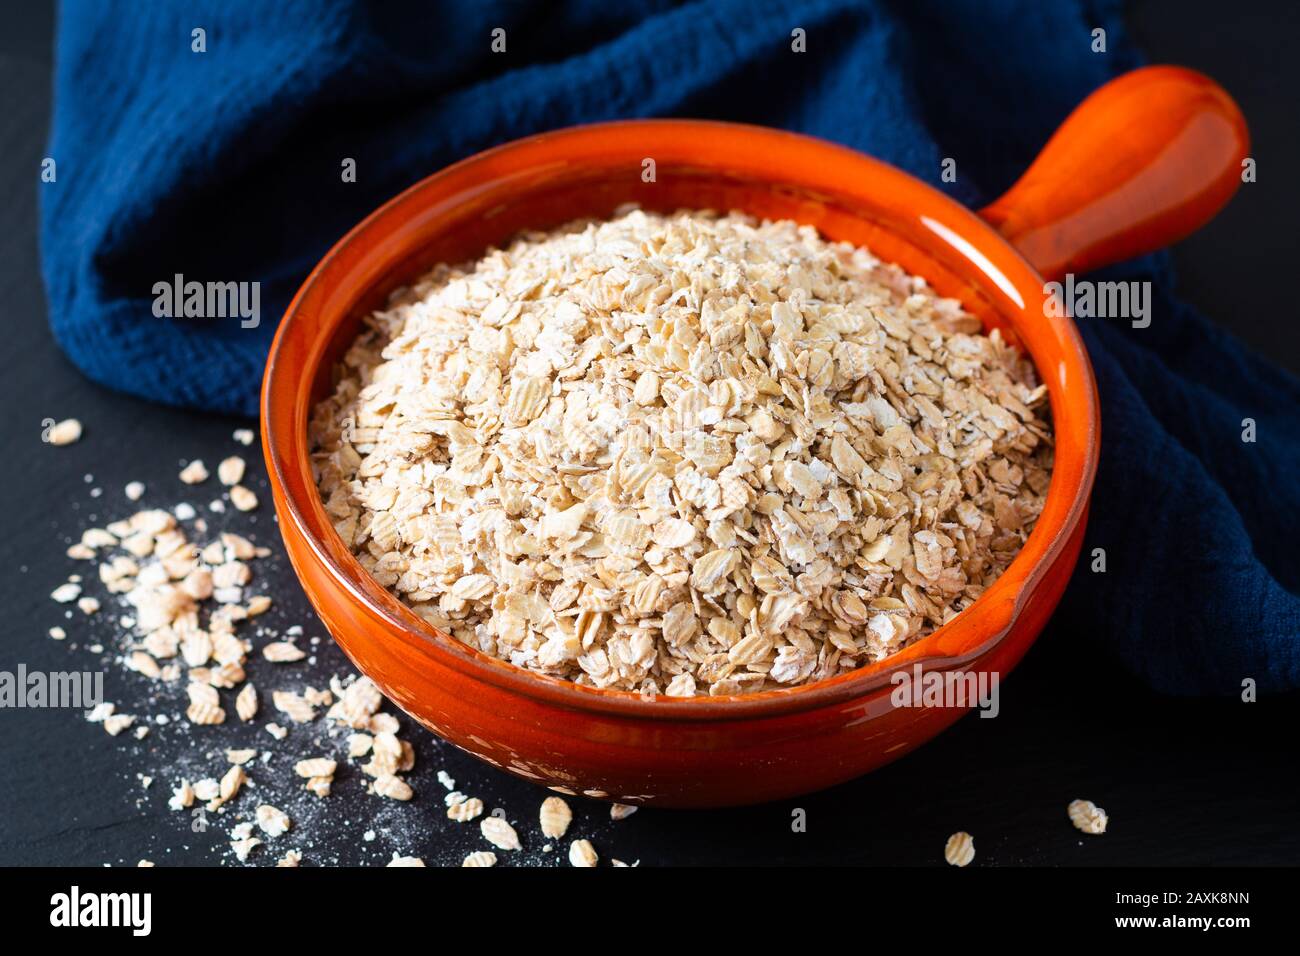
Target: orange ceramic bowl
x=1145, y=160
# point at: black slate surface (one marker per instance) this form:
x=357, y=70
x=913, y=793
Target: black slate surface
x=1185, y=781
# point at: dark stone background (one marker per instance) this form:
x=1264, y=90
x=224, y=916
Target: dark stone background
x=1185, y=781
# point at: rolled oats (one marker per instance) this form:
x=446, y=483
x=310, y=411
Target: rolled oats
x=682, y=455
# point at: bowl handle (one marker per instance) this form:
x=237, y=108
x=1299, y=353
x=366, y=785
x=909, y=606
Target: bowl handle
x=1145, y=160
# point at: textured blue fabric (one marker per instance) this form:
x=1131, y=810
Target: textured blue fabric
x=225, y=166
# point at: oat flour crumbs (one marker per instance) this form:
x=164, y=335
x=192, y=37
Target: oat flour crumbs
x=682, y=455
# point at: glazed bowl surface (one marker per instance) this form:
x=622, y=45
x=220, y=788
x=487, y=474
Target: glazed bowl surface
x=1076, y=208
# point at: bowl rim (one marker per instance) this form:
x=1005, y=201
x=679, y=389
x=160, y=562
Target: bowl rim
x=308, y=516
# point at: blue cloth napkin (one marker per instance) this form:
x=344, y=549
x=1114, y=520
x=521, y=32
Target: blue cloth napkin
x=225, y=165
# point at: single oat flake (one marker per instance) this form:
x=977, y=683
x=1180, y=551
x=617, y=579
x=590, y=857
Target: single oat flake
x=242, y=498
x=463, y=811
x=582, y=853
x=555, y=817
x=960, y=849
x=1087, y=816
x=499, y=833
x=272, y=821
x=231, y=470
x=194, y=473
x=682, y=455
x=65, y=432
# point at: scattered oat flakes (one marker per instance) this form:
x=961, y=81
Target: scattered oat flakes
x=243, y=435
x=134, y=490
x=481, y=858
x=1087, y=816
x=88, y=605
x=960, y=849
x=176, y=632
x=405, y=861
x=621, y=811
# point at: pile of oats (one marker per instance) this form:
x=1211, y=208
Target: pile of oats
x=682, y=455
